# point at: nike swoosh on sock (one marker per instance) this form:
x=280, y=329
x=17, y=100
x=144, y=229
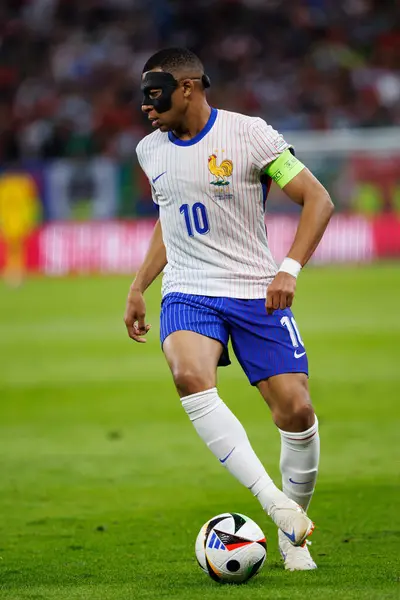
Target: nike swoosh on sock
x=222, y=460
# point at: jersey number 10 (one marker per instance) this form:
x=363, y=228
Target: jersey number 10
x=197, y=217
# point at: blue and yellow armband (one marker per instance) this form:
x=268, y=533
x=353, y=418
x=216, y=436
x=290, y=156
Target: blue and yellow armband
x=284, y=168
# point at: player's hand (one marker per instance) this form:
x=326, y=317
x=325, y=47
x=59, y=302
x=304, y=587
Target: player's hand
x=135, y=315
x=280, y=292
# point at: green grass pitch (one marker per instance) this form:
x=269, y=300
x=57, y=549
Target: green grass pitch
x=104, y=484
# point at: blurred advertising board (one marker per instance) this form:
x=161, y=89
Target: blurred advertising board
x=109, y=247
x=119, y=246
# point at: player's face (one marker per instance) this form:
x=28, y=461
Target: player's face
x=170, y=119
x=176, y=100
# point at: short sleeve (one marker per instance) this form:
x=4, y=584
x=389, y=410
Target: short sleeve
x=266, y=143
x=139, y=153
x=153, y=194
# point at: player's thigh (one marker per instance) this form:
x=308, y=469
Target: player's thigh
x=288, y=397
x=272, y=354
x=194, y=337
x=193, y=359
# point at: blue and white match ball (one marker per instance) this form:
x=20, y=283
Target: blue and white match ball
x=231, y=548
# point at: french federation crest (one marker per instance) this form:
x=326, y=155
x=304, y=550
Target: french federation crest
x=221, y=172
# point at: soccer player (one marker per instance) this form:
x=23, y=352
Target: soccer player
x=210, y=172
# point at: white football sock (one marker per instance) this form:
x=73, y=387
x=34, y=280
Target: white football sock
x=299, y=463
x=225, y=436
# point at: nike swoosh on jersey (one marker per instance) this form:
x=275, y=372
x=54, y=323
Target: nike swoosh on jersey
x=222, y=460
x=298, y=355
x=158, y=176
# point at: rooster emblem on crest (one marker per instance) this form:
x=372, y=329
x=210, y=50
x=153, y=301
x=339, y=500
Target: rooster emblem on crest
x=222, y=171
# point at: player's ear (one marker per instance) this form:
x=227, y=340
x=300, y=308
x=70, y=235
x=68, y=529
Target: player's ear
x=188, y=87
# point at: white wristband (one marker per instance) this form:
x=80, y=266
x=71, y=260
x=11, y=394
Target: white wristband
x=291, y=266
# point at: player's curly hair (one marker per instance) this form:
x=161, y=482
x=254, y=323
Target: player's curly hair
x=174, y=59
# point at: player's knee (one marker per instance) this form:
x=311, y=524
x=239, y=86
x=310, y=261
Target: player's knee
x=189, y=381
x=296, y=416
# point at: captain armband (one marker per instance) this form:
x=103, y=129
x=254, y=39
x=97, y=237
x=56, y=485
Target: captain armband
x=284, y=168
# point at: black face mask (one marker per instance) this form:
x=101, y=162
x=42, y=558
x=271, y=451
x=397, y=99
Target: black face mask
x=159, y=80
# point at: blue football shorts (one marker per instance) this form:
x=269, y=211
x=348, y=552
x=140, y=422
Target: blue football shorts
x=265, y=345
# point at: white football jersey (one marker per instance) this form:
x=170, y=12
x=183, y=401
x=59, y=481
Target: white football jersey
x=211, y=205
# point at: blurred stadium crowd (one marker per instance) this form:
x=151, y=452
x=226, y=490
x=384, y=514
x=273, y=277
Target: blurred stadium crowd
x=70, y=69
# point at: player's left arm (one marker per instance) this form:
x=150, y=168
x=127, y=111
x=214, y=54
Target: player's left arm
x=300, y=185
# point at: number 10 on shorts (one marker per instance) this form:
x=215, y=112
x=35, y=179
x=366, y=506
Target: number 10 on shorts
x=293, y=330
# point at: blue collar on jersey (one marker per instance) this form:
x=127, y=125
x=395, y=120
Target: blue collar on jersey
x=175, y=140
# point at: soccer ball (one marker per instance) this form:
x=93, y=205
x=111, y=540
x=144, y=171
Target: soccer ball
x=231, y=548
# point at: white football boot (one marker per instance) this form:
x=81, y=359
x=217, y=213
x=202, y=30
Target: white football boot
x=296, y=558
x=291, y=519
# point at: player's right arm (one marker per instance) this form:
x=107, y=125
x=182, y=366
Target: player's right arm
x=154, y=262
